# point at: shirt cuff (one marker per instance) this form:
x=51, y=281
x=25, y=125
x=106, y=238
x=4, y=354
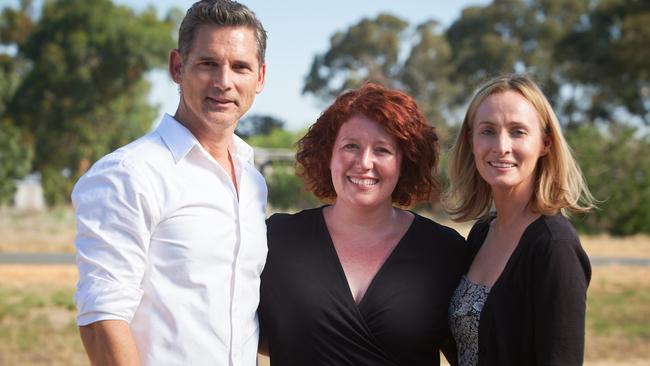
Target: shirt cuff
x=103, y=300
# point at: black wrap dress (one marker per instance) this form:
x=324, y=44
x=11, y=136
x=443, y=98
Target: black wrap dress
x=309, y=317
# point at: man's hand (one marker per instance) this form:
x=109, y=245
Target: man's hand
x=109, y=342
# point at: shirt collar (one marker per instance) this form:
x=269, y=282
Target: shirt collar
x=180, y=140
x=241, y=149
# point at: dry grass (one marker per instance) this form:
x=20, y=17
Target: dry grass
x=51, y=231
x=37, y=316
x=618, y=314
x=24, y=276
x=637, y=246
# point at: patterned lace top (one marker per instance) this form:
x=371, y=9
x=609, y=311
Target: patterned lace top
x=464, y=314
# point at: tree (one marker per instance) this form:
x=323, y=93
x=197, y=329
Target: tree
x=426, y=76
x=367, y=51
x=257, y=125
x=15, y=25
x=15, y=160
x=509, y=36
x=608, y=56
x=370, y=51
x=84, y=93
x=616, y=165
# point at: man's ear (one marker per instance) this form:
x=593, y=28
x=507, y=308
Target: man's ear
x=261, y=79
x=176, y=65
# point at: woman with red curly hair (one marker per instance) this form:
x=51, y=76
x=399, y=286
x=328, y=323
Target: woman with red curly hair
x=360, y=281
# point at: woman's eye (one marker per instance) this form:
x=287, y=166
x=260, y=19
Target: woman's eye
x=519, y=132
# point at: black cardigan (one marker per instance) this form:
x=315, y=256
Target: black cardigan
x=535, y=312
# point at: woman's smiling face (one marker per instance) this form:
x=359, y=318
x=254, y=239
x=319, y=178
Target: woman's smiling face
x=507, y=141
x=365, y=164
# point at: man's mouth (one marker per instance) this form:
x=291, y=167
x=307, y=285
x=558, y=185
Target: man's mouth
x=220, y=101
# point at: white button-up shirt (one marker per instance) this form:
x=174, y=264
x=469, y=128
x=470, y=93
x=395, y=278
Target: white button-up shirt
x=165, y=244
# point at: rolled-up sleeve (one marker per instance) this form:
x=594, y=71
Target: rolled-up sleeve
x=114, y=221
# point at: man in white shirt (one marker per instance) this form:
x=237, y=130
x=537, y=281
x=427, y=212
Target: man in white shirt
x=171, y=237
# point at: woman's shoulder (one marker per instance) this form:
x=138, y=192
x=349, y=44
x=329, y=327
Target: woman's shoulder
x=553, y=229
x=434, y=229
x=559, y=227
x=554, y=248
x=282, y=220
x=554, y=237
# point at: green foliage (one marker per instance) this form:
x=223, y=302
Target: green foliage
x=425, y=73
x=84, y=93
x=616, y=164
x=368, y=50
x=277, y=138
x=257, y=125
x=286, y=191
x=15, y=160
x=609, y=58
x=509, y=36
x=372, y=50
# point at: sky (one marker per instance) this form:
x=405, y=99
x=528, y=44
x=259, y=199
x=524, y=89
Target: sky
x=297, y=31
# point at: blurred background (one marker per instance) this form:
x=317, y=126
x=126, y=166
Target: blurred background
x=80, y=78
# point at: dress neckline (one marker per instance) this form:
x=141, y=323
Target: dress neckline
x=339, y=267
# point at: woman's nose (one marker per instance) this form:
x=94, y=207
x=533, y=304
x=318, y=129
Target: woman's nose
x=365, y=159
x=503, y=144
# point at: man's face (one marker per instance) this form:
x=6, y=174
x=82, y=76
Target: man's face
x=219, y=78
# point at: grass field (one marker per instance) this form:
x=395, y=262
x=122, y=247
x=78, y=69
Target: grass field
x=37, y=314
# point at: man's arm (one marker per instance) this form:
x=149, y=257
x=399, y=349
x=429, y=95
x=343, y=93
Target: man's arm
x=109, y=342
x=112, y=241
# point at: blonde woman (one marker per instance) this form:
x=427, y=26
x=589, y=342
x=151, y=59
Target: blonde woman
x=522, y=302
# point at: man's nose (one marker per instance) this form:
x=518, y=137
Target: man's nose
x=222, y=78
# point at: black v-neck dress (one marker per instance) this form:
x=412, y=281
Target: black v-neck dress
x=309, y=317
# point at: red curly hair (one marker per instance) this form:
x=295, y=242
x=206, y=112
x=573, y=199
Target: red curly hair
x=400, y=116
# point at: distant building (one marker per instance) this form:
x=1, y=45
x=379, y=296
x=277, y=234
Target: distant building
x=29, y=194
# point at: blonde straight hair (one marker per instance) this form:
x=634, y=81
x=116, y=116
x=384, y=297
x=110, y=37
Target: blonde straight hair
x=559, y=185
